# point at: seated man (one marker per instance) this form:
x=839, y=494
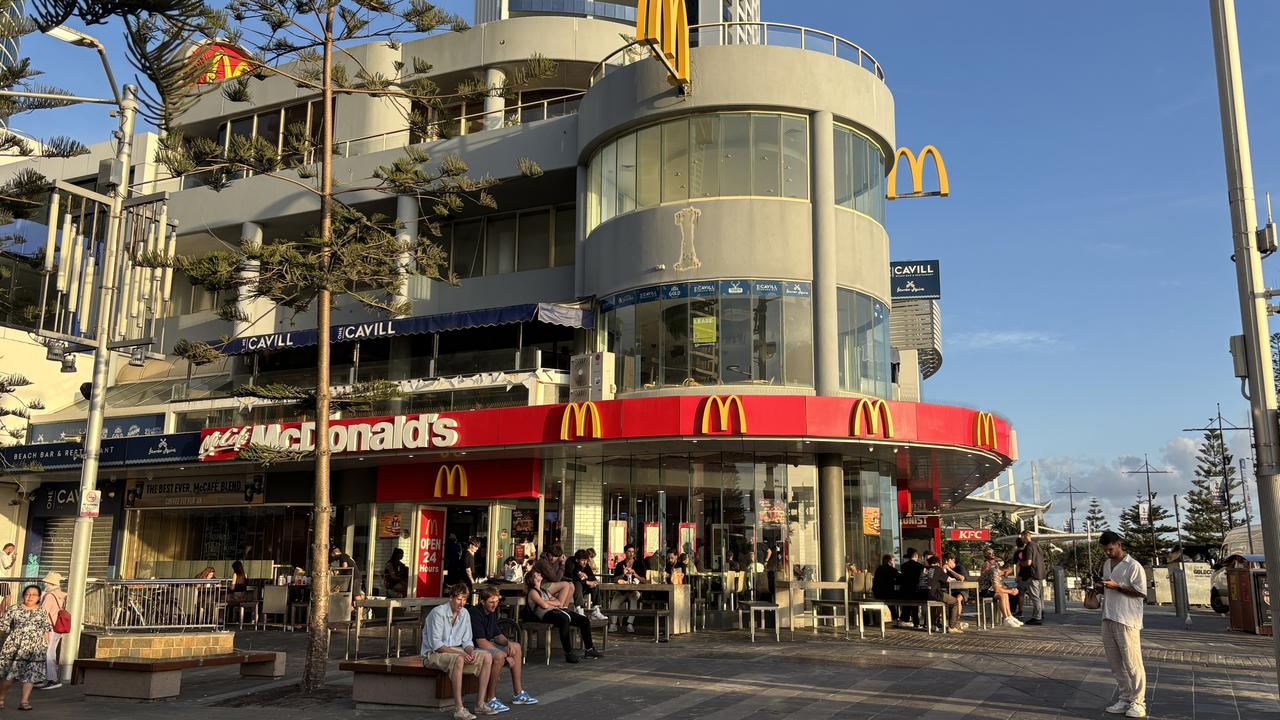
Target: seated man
x=585, y=584
x=489, y=639
x=447, y=646
x=630, y=569
x=551, y=567
x=885, y=584
x=939, y=590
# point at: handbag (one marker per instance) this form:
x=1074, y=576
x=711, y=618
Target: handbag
x=1093, y=599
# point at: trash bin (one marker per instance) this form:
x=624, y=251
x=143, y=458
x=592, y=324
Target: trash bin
x=1240, y=594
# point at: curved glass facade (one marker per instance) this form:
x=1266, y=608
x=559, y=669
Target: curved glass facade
x=860, y=174
x=704, y=156
x=864, y=344
x=711, y=332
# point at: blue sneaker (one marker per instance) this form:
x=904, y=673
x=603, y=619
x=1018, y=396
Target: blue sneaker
x=497, y=706
x=523, y=698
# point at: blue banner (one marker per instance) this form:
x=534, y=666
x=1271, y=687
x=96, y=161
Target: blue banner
x=914, y=280
x=766, y=288
x=177, y=447
x=112, y=428
x=797, y=289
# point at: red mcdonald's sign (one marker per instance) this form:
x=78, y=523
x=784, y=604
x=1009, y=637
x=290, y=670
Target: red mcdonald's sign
x=430, y=557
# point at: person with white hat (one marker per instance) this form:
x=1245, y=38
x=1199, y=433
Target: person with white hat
x=53, y=602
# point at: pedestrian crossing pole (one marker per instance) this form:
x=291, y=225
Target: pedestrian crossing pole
x=1252, y=290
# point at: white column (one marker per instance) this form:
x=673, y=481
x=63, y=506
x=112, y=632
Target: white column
x=407, y=236
x=494, y=104
x=250, y=239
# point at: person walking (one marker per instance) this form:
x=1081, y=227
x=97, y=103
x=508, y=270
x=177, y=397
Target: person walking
x=1125, y=584
x=1033, y=566
x=53, y=602
x=23, y=655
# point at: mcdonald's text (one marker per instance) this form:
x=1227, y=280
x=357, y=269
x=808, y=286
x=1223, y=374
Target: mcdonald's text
x=401, y=432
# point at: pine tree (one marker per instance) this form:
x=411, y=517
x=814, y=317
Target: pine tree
x=1096, y=519
x=1206, y=521
x=1138, y=535
x=351, y=254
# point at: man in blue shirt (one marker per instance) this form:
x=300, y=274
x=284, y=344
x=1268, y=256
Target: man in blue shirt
x=490, y=639
x=447, y=646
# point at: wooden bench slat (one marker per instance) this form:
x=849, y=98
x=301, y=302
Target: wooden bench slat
x=135, y=664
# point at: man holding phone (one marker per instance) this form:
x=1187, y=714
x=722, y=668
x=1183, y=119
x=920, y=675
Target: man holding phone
x=1125, y=584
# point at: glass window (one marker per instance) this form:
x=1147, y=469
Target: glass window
x=844, y=169
x=863, y=344
x=564, y=251
x=627, y=173
x=608, y=182
x=846, y=318
x=767, y=326
x=735, y=155
x=593, y=192
x=675, y=160
x=766, y=165
x=648, y=325
x=797, y=321
x=269, y=127
x=500, y=246
x=623, y=342
x=675, y=341
x=736, y=348
x=467, y=258
x=705, y=340
x=649, y=170
x=704, y=142
x=535, y=241
x=862, y=175
x=795, y=157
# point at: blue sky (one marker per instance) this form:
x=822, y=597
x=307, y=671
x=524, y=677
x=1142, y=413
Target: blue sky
x=1087, y=290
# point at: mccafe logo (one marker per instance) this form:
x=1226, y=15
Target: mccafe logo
x=345, y=436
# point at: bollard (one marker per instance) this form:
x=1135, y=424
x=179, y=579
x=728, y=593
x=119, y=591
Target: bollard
x=1059, y=590
x=1178, y=584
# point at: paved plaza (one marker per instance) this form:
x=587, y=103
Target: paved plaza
x=1034, y=673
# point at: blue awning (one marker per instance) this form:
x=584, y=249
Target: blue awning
x=577, y=315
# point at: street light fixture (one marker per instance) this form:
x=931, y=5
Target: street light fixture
x=75, y=37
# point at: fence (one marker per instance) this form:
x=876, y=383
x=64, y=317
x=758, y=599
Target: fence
x=155, y=605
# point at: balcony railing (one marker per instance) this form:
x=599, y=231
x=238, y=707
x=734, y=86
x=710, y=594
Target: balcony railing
x=155, y=605
x=751, y=33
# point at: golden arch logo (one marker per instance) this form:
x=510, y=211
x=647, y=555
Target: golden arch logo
x=573, y=424
x=984, y=430
x=876, y=413
x=723, y=406
x=448, y=477
x=915, y=163
x=431, y=527
x=664, y=26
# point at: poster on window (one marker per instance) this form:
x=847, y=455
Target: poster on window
x=870, y=521
x=704, y=330
x=389, y=525
x=652, y=538
x=688, y=539
x=617, y=541
x=430, y=552
x=772, y=511
x=522, y=522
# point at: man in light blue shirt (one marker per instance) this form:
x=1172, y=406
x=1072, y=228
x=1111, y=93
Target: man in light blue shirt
x=447, y=646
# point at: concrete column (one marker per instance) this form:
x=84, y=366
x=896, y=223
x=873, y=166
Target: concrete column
x=406, y=237
x=580, y=234
x=494, y=104
x=826, y=365
x=250, y=239
x=831, y=506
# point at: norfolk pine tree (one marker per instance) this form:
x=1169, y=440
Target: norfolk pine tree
x=1137, y=535
x=1206, y=521
x=351, y=254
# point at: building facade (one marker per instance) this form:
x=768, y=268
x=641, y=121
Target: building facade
x=677, y=337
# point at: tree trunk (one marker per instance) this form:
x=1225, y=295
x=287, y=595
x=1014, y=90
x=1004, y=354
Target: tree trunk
x=317, y=661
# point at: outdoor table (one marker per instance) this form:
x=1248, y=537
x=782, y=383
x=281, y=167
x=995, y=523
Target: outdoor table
x=391, y=605
x=970, y=585
x=676, y=599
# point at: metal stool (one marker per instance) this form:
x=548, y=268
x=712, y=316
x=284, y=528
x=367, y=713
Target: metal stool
x=751, y=607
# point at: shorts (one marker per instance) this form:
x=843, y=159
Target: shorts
x=444, y=662
x=497, y=648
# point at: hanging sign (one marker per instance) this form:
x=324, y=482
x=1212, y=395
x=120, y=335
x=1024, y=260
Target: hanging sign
x=90, y=504
x=430, y=557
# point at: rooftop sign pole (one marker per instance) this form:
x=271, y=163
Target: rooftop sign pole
x=663, y=25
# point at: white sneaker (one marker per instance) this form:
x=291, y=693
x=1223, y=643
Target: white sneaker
x=597, y=615
x=1018, y=623
x=1118, y=707
x=964, y=626
x=1011, y=622
x=1136, y=710
x=463, y=714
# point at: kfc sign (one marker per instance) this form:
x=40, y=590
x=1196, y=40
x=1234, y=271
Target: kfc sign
x=975, y=534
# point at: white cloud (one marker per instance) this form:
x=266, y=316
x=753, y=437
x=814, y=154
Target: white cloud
x=1030, y=340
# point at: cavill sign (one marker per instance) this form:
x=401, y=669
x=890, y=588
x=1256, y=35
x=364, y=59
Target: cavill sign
x=355, y=435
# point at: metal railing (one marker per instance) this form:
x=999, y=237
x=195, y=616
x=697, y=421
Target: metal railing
x=751, y=33
x=155, y=605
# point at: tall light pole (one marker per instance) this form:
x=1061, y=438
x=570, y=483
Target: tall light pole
x=1249, y=283
x=1147, y=470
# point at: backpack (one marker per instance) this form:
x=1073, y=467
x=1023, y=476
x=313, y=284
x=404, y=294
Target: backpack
x=62, y=625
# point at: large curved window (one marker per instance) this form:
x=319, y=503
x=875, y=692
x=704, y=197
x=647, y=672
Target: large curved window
x=720, y=155
x=860, y=179
x=711, y=332
x=864, y=344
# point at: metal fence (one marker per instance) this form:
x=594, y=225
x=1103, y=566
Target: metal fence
x=155, y=605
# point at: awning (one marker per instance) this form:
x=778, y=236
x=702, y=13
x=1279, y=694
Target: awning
x=578, y=315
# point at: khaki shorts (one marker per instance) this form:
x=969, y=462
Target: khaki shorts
x=444, y=662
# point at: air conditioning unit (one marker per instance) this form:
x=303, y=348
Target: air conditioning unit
x=591, y=377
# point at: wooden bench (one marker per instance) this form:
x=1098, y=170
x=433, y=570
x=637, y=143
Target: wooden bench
x=925, y=607
x=403, y=682
x=529, y=628
x=161, y=678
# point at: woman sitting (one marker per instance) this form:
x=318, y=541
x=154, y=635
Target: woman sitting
x=991, y=585
x=395, y=575
x=548, y=609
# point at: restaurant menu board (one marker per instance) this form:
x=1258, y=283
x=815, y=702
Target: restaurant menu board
x=617, y=541
x=772, y=512
x=652, y=539
x=688, y=538
x=389, y=525
x=430, y=566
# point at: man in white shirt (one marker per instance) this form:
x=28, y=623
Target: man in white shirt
x=1125, y=584
x=447, y=646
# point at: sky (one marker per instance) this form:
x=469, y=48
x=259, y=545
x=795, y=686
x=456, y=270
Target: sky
x=1088, y=294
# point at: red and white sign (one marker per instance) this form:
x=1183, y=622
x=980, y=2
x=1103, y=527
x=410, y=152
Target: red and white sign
x=353, y=435
x=430, y=558
x=223, y=61
x=976, y=534
x=921, y=522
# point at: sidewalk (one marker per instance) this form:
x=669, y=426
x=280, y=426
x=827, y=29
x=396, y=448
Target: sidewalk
x=1034, y=673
